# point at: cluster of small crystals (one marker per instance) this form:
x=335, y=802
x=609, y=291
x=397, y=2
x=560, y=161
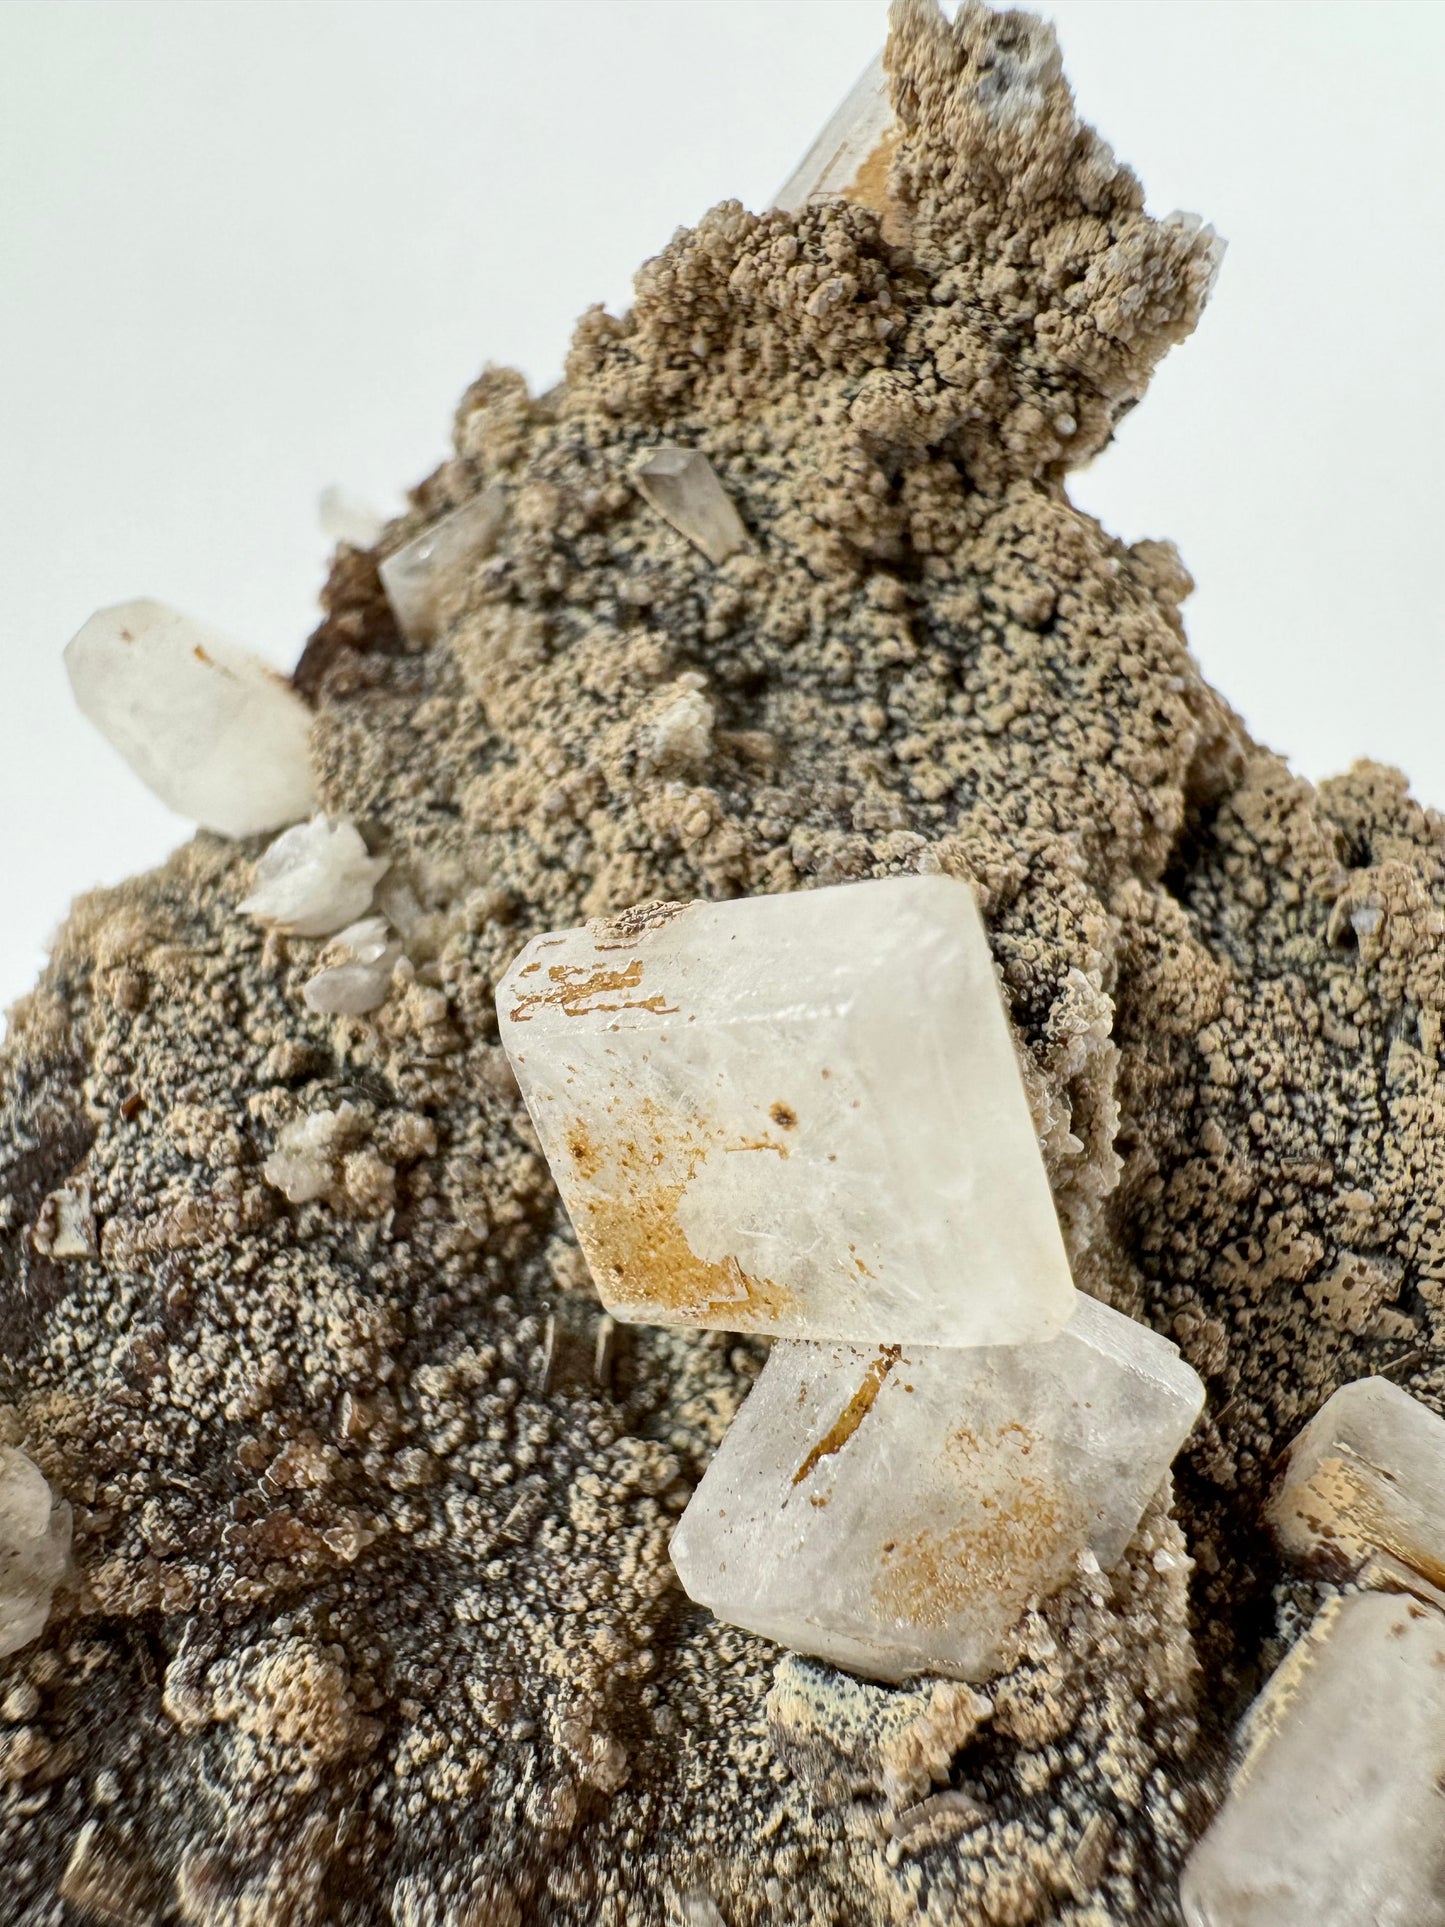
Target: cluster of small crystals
x=802, y=1116
x=1337, y=1812
x=34, y=1548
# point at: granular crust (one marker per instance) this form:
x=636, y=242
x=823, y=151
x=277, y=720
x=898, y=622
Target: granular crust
x=373, y=1620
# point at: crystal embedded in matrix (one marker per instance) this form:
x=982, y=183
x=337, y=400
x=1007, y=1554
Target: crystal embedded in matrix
x=219, y=736
x=685, y=489
x=1337, y=1814
x=1366, y=1477
x=314, y=879
x=895, y=1509
x=797, y=1114
x=34, y=1548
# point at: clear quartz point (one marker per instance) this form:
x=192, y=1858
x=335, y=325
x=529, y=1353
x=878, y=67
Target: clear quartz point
x=427, y=572
x=220, y=736
x=799, y=1114
x=683, y=486
x=1336, y=1817
x=895, y=1509
x=850, y=157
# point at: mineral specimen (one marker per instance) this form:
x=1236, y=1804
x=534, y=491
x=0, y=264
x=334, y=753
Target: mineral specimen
x=422, y=574
x=1337, y=1815
x=314, y=878
x=796, y=1114
x=895, y=1511
x=683, y=486
x=372, y=1625
x=219, y=736
x=34, y=1548
x=1366, y=1476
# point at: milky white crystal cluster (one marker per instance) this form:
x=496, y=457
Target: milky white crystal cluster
x=423, y=573
x=220, y=736
x=315, y=878
x=34, y=1548
x=895, y=1509
x=798, y=1114
x=683, y=486
x=1337, y=1815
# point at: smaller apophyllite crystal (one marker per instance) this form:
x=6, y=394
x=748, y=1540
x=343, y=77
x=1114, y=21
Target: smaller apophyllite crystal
x=217, y=734
x=420, y=577
x=315, y=878
x=1337, y=1814
x=894, y=1510
x=34, y=1548
x=798, y=1114
x=356, y=970
x=683, y=486
x=850, y=157
x=1366, y=1476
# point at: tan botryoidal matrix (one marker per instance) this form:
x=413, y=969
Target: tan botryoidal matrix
x=344, y=1573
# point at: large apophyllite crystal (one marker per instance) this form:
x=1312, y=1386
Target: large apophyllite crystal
x=1337, y=1814
x=798, y=1114
x=217, y=734
x=895, y=1509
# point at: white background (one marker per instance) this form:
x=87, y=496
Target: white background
x=252, y=247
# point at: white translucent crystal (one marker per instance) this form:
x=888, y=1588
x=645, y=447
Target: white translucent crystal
x=360, y=976
x=315, y=878
x=219, y=735
x=798, y=1114
x=34, y=1548
x=1366, y=1476
x=683, y=486
x=851, y=155
x=1337, y=1815
x=345, y=518
x=309, y=1151
x=420, y=576
x=895, y=1509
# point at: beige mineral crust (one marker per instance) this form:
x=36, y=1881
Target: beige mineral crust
x=372, y=1622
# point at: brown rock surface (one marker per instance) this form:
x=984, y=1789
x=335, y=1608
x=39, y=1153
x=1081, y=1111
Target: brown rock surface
x=374, y=1621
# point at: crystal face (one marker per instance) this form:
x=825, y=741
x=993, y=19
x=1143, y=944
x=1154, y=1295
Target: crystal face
x=894, y=1509
x=424, y=573
x=683, y=486
x=34, y=1548
x=798, y=1114
x=1337, y=1814
x=850, y=157
x=1366, y=1476
x=216, y=733
x=315, y=878
x=356, y=972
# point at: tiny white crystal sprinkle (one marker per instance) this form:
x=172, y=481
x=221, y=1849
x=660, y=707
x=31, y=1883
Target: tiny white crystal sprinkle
x=894, y=1510
x=34, y=1548
x=308, y=1152
x=315, y=878
x=850, y=155
x=359, y=978
x=683, y=486
x=1366, y=1475
x=421, y=575
x=344, y=518
x=798, y=1114
x=1337, y=1815
x=220, y=736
